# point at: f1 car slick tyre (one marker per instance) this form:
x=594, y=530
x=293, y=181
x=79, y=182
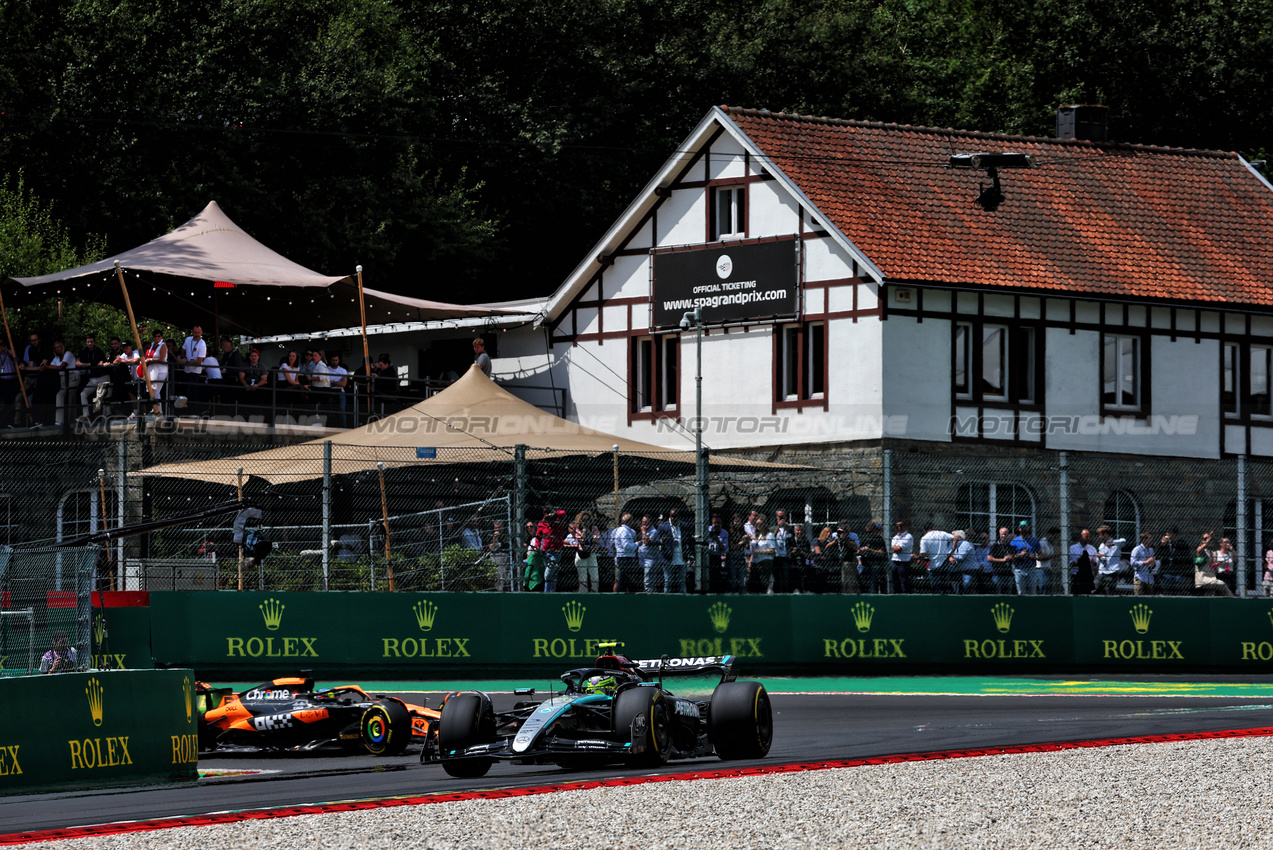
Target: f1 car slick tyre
x=385, y=728
x=740, y=721
x=466, y=720
x=643, y=714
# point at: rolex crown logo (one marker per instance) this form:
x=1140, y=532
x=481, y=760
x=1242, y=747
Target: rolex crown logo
x=1271, y=618
x=1140, y=618
x=862, y=615
x=99, y=629
x=720, y=614
x=425, y=611
x=185, y=686
x=574, y=615
x=1003, y=616
x=95, y=705
x=272, y=611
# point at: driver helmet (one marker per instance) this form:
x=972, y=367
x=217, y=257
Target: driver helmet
x=600, y=685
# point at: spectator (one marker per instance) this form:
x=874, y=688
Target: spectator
x=63, y=365
x=935, y=548
x=383, y=375
x=1083, y=559
x=194, y=351
x=965, y=568
x=1144, y=566
x=826, y=560
x=781, y=564
x=739, y=546
x=535, y=562
x=551, y=532
x=650, y=555
x=1224, y=565
x=1204, y=568
x=470, y=537
x=677, y=542
x=872, y=552
x=800, y=558
x=497, y=550
x=90, y=364
x=1268, y=572
x=320, y=384
x=8, y=386
x=587, y=539
x=61, y=657
x=1024, y=573
x=348, y=547
x=232, y=362
x=1110, y=558
x=848, y=576
x=1002, y=557
x=252, y=376
x=289, y=376
x=605, y=556
x=761, y=559
x=124, y=372
x=626, y=565
x=339, y=376
x=41, y=386
x=480, y=357
x=750, y=525
x=1175, y=563
x=1044, y=556
x=903, y=548
x=155, y=363
x=717, y=578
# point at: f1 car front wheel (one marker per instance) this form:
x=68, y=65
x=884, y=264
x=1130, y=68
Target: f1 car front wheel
x=385, y=728
x=642, y=713
x=740, y=721
x=466, y=720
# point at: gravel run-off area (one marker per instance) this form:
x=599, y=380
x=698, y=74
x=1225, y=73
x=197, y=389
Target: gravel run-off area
x=1215, y=793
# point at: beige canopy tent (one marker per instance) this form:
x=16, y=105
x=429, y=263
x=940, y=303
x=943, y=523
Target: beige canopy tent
x=474, y=420
x=210, y=272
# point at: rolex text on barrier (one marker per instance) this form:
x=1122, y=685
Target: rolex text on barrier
x=110, y=727
x=420, y=635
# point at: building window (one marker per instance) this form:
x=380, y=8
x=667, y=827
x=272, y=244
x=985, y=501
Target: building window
x=1122, y=515
x=655, y=377
x=1002, y=368
x=730, y=211
x=990, y=506
x=1246, y=372
x=802, y=362
x=1122, y=374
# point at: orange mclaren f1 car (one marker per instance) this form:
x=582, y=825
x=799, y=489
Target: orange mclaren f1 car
x=288, y=714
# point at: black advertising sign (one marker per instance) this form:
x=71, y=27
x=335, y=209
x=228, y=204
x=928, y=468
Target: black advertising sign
x=730, y=283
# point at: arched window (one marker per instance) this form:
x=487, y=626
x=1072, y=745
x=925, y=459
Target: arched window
x=989, y=506
x=1122, y=515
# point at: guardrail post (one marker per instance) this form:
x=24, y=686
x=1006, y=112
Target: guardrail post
x=1063, y=545
x=1243, y=565
x=886, y=517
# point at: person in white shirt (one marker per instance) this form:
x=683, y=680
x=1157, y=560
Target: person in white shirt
x=63, y=362
x=903, y=547
x=1144, y=565
x=936, y=545
x=339, y=377
x=1083, y=559
x=1110, y=553
x=319, y=375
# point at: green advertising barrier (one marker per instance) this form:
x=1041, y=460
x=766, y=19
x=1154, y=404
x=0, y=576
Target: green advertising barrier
x=422, y=635
x=121, y=639
x=92, y=729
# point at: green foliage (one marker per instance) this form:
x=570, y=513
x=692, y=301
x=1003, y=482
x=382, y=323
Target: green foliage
x=441, y=143
x=32, y=240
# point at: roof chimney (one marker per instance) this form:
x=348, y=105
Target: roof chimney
x=1090, y=123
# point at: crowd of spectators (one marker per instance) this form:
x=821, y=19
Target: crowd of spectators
x=655, y=553
x=60, y=386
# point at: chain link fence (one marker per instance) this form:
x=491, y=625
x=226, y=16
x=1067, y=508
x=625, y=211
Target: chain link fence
x=464, y=519
x=44, y=609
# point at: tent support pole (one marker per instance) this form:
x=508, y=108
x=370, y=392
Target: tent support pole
x=519, y=512
x=327, y=513
x=132, y=322
x=384, y=517
x=13, y=352
x=366, y=352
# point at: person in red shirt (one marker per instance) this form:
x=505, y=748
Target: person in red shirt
x=551, y=533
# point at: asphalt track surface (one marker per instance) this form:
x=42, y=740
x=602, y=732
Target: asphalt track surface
x=808, y=728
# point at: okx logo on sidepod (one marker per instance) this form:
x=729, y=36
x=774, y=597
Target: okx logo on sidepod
x=423, y=615
x=272, y=645
x=720, y=617
x=863, y=648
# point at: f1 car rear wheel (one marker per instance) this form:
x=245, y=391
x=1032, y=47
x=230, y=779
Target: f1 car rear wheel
x=741, y=722
x=643, y=714
x=466, y=720
x=385, y=728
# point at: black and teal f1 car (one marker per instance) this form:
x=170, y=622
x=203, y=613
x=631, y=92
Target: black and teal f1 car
x=618, y=711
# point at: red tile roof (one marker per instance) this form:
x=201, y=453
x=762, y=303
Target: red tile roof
x=1109, y=219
